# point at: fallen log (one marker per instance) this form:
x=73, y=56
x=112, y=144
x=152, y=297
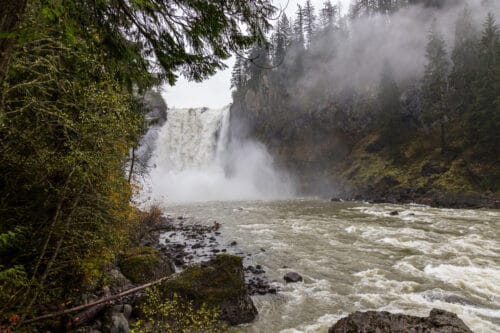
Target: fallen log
x=91, y=307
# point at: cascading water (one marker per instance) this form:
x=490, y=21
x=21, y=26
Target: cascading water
x=194, y=160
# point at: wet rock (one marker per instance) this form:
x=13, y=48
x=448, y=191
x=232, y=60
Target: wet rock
x=373, y=321
x=196, y=246
x=335, y=200
x=218, y=283
x=394, y=213
x=117, y=281
x=144, y=264
x=115, y=322
x=233, y=243
x=292, y=277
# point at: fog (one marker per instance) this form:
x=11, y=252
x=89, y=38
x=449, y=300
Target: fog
x=355, y=58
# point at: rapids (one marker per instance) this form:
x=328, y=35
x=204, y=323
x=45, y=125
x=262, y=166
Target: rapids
x=353, y=255
x=356, y=256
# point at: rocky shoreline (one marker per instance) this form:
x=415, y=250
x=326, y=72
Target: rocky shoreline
x=422, y=196
x=197, y=259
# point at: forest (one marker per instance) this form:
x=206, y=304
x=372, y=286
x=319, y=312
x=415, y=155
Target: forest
x=379, y=91
x=72, y=79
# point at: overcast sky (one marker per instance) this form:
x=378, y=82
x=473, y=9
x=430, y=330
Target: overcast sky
x=215, y=92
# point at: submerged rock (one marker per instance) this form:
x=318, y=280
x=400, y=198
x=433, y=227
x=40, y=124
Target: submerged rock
x=292, y=277
x=439, y=321
x=218, y=283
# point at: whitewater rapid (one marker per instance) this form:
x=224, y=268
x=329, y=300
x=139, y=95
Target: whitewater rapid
x=357, y=257
x=195, y=159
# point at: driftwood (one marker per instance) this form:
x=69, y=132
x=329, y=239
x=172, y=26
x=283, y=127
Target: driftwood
x=91, y=309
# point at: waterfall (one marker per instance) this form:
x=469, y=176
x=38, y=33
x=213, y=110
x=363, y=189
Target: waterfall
x=195, y=160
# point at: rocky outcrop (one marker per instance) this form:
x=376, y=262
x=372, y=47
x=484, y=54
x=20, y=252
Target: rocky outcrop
x=219, y=283
x=144, y=264
x=292, y=277
x=439, y=321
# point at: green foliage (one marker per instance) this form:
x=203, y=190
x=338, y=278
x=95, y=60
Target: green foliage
x=435, y=83
x=70, y=73
x=483, y=120
x=390, y=108
x=176, y=315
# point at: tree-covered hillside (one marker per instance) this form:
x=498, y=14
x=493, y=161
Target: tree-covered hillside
x=394, y=96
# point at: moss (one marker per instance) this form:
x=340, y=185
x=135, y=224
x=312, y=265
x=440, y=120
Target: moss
x=143, y=264
x=213, y=283
x=456, y=179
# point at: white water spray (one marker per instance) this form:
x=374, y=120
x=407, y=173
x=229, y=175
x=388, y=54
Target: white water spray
x=193, y=160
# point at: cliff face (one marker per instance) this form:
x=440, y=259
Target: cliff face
x=337, y=149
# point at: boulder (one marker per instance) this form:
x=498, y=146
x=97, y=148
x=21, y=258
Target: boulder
x=117, y=281
x=115, y=322
x=292, y=277
x=219, y=283
x=144, y=264
x=439, y=321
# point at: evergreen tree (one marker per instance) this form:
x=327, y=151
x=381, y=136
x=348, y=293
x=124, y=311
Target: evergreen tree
x=298, y=29
x=281, y=40
x=257, y=64
x=435, y=84
x=238, y=75
x=309, y=24
x=328, y=16
x=390, y=106
x=465, y=58
x=484, y=120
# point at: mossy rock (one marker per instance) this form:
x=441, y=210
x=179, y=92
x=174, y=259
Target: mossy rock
x=144, y=264
x=219, y=283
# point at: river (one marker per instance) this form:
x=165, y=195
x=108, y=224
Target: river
x=355, y=256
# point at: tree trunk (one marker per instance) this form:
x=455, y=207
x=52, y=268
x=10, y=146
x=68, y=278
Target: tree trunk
x=10, y=15
x=131, y=172
x=443, y=139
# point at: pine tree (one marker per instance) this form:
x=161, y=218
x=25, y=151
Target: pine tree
x=298, y=29
x=281, y=40
x=484, y=120
x=309, y=21
x=465, y=63
x=238, y=75
x=328, y=16
x=258, y=62
x=435, y=83
x=389, y=103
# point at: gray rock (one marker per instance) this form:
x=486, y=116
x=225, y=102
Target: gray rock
x=117, y=281
x=126, y=309
x=439, y=321
x=115, y=322
x=292, y=277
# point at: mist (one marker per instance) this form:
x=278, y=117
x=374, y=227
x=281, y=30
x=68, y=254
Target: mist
x=194, y=160
x=353, y=56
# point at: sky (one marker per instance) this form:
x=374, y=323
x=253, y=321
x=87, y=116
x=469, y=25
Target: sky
x=215, y=92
